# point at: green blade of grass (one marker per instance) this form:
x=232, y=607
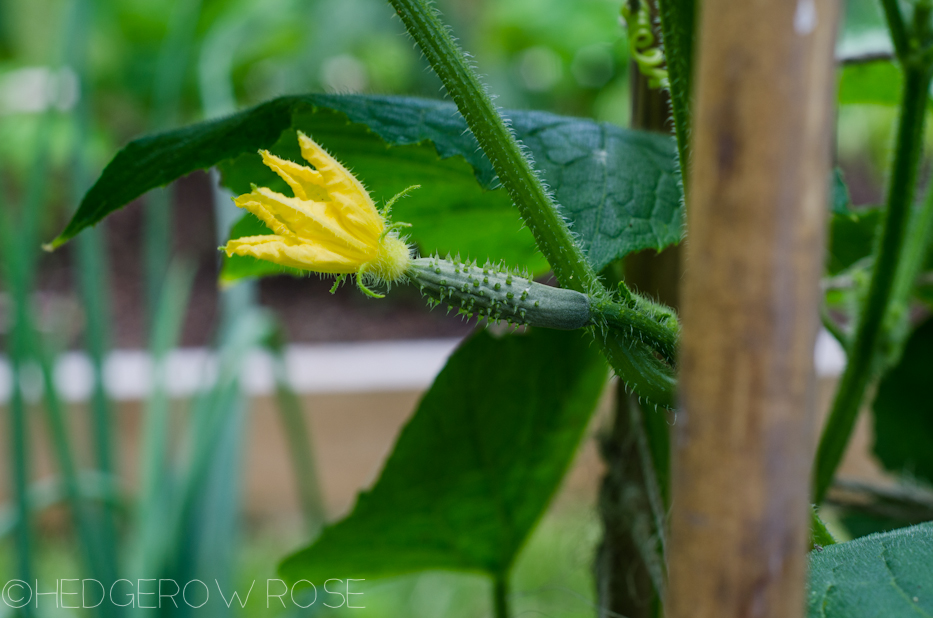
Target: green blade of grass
x=212, y=411
x=93, y=282
x=297, y=436
x=48, y=493
x=156, y=476
x=166, y=99
x=18, y=427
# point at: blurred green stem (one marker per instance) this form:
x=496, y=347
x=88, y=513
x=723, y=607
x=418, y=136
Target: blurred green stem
x=50, y=492
x=93, y=280
x=299, y=444
x=500, y=596
x=27, y=347
x=19, y=424
x=897, y=27
x=863, y=360
x=166, y=100
x=152, y=506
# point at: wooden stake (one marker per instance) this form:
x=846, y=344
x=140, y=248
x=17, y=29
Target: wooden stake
x=743, y=437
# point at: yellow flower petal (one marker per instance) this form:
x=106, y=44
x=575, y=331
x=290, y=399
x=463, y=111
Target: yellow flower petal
x=292, y=253
x=311, y=221
x=305, y=182
x=342, y=186
x=331, y=225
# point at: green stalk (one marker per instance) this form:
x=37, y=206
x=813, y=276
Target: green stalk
x=50, y=492
x=19, y=431
x=61, y=445
x=678, y=18
x=632, y=360
x=28, y=346
x=512, y=164
x=212, y=413
x=155, y=474
x=300, y=448
x=166, y=99
x=863, y=352
x=897, y=27
x=94, y=285
x=919, y=236
x=500, y=596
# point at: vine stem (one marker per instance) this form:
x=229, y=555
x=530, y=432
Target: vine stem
x=677, y=19
x=896, y=26
x=633, y=360
x=500, y=596
x=862, y=353
x=510, y=161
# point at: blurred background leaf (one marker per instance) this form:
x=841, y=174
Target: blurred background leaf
x=903, y=410
x=875, y=83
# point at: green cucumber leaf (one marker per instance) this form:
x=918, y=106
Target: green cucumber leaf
x=474, y=469
x=885, y=574
x=618, y=188
x=903, y=409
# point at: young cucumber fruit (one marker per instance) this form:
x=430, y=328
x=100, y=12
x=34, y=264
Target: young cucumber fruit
x=495, y=293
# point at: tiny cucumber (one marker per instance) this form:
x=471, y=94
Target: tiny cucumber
x=495, y=293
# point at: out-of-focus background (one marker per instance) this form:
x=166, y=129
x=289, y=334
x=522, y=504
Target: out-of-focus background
x=129, y=322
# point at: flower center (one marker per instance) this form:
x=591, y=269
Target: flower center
x=392, y=262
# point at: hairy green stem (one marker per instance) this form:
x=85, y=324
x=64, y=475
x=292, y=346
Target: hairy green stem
x=511, y=163
x=635, y=362
x=678, y=19
x=868, y=334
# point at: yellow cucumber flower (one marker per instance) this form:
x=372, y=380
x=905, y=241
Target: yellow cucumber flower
x=330, y=226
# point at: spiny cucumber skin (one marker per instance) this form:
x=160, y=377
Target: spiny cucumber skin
x=494, y=293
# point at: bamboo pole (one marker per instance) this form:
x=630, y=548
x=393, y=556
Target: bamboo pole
x=743, y=441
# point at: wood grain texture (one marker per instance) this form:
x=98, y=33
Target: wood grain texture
x=743, y=438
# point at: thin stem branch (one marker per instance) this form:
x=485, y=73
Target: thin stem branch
x=865, y=344
x=500, y=597
x=897, y=27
